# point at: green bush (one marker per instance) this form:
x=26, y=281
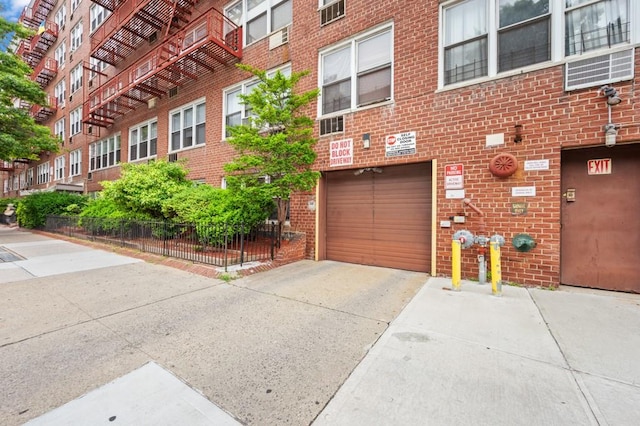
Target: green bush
x=32, y=210
x=6, y=201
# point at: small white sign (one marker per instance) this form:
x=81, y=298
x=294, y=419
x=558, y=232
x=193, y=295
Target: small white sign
x=536, y=165
x=454, y=194
x=494, y=140
x=523, y=191
x=454, y=176
x=600, y=166
x=400, y=144
x=341, y=153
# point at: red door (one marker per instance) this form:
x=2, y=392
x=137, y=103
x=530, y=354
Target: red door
x=600, y=238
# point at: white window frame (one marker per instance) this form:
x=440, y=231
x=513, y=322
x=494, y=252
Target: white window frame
x=59, y=168
x=76, y=37
x=74, y=4
x=61, y=16
x=59, y=128
x=30, y=174
x=244, y=88
x=97, y=16
x=60, y=93
x=151, y=140
x=262, y=9
x=76, y=78
x=353, y=46
x=75, y=121
x=557, y=37
x=43, y=173
x=180, y=132
x=60, y=54
x=96, y=66
x=75, y=162
x=105, y=153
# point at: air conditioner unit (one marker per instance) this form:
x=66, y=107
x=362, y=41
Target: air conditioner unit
x=151, y=103
x=173, y=157
x=331, y=12
x=599, y=70
x=89, y=176
x=279, y=38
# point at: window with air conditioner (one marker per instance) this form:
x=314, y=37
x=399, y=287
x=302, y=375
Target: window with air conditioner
x=259, y=17
x=484, y=39
x=331, y=10
x=357, y=73
x=143, y=140
x=236, y=112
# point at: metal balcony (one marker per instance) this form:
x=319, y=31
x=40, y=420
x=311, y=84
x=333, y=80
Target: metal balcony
x=32, y=16
x=42, y=112
x=32, y=51
x=134, y=22
x=45, y=72
x=205, y=46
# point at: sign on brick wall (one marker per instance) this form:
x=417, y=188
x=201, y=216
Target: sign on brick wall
x=341, y=153
x=400, y=144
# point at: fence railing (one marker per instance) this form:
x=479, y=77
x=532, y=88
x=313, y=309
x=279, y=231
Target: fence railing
x=219, y=245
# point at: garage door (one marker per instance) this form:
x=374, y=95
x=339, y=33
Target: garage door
x=380, y=217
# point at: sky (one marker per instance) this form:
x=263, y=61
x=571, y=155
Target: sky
x=11, y=9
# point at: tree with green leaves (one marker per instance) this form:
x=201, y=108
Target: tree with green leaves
x=275, y=147
x=20, y=136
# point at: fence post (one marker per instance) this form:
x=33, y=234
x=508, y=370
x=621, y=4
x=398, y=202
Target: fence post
x=241, y=243
x=122, y=232
x=273, y=240
x=165, y=252
x=226, y=238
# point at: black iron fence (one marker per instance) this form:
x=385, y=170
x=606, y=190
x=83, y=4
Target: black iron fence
x=219, y=245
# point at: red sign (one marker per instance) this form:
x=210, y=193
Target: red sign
x=391, y=140
x=600, y=166
x=454, y=176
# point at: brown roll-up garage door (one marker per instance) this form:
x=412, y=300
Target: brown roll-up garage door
x=380, y=217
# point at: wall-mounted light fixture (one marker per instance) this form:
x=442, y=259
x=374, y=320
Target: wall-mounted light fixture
x=368, y=169
x=366, y=140
x=518, y=130
x=610, y=129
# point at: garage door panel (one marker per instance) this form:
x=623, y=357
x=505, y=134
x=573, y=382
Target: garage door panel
x=381, y=219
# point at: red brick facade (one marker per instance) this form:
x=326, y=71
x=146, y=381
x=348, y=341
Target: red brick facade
x=451, y=126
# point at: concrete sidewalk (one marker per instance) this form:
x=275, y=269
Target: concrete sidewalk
x=530, y=357
x=297, y=346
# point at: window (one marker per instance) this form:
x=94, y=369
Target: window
x=104, y=153
x=96, y=66
x=23, y=180
x=60, y=53
x=187, y=126
x=74, y=5
x=235, y=110
x=367, y=81
x=75, y=162
x=260, y=17
x=482, y=38
x=76, y=36
x=58, y=168
x=43, y=173
x=60, y=92
x=75, y=119
x=76, y=78
x=30, y=175
x=593, y=25
x=59, y=128
x=61, y=16
x=97, y=14
x=143, y=140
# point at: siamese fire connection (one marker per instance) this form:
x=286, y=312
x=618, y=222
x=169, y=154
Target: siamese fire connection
x=465, y=239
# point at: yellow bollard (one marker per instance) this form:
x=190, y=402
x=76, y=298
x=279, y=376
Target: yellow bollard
x=456, y=247
x=496, y=269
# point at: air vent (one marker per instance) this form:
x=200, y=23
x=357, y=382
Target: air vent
x=173, y=91
x=153, y=37
x=332, y=12
x=604, y=69
x=173, y=157
x=70, y=98
x=89, y=129
x=332, y=125
x=91, y=83
x=89, y=176
x=279, y=38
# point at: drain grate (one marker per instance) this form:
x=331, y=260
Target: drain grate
x=7, y=255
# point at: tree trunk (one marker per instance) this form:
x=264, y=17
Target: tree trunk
x=282, y=205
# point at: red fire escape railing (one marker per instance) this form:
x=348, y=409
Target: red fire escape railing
x=134, y=22
x=42, y=112
x=207, y=44
x=33, y=50
x=45, y=72
x=32, y=16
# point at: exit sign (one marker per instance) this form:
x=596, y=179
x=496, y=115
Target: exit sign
x=601, y=166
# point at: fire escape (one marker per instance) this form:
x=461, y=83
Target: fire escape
x=191, y=48
x=34, y=49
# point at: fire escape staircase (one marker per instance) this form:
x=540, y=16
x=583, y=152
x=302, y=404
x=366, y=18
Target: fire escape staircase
x=134, y=22
x=41, y=112
x=34, y=49
x=32, y=16
x=209, y=43
x=46, y=71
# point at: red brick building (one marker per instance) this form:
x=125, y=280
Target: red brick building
x=418, y=100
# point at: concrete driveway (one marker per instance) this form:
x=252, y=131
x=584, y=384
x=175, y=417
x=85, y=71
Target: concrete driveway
x=272, y=348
